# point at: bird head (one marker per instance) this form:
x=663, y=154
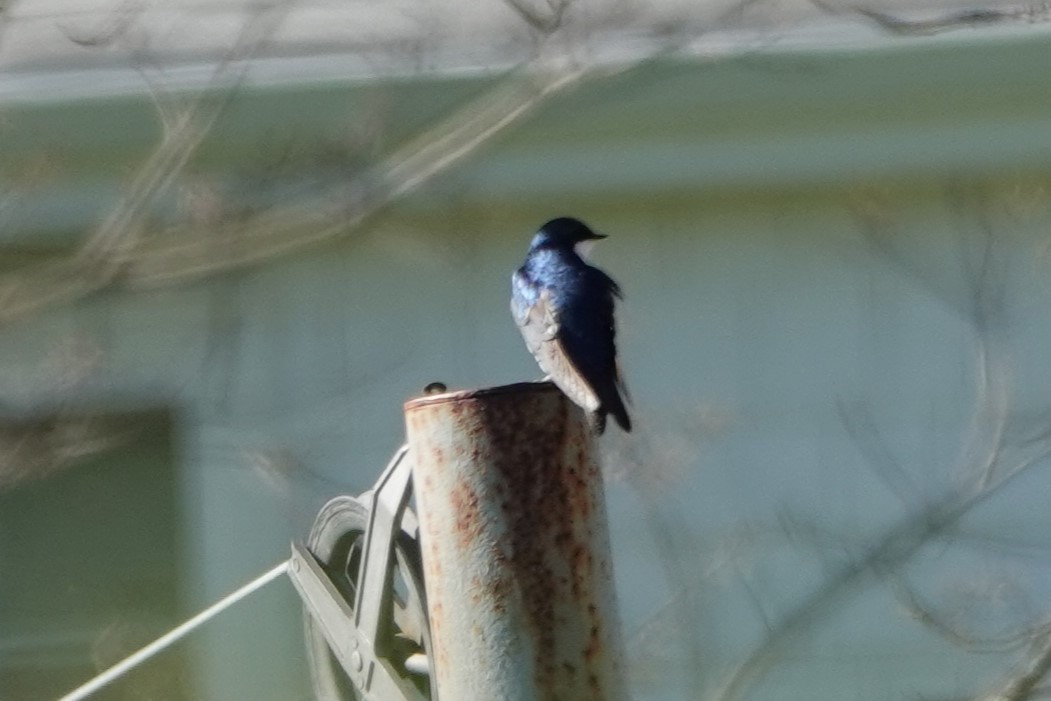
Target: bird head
x=565, y=233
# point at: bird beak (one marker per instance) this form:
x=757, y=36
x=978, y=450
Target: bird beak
x=583, y=248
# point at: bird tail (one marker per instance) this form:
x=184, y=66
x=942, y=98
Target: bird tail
x=614, y=406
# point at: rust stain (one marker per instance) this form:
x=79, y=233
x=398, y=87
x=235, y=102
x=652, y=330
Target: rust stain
x=594, y=647
x=537, y=489
x=538, y=472
x=437, y=617
x=469, y=519
x=434, y=566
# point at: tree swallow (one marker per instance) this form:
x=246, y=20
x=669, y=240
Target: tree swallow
x=564, y=309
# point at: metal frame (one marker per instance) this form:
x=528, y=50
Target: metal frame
x=357, y=635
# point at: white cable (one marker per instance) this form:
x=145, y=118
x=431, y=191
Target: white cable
x=173, y=636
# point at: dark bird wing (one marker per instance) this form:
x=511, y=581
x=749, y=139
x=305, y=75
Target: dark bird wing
x=593, y=341
x=538, y=320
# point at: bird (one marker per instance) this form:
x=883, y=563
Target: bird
x=564, y=308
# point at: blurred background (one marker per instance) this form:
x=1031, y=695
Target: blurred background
x=236, y=236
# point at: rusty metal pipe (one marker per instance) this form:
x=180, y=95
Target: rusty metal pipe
x=515, y=547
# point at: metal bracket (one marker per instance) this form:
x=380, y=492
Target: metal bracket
x=388, y=501
x=327, y=606
x=356, y=634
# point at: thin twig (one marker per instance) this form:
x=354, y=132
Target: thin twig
x=102, y=256
x=923, y=613
x=862, y=429
x=989, y=463
x=117, y=247
x=956, y=20
x=1023, y=685
x=188, y=254
x=891, y=550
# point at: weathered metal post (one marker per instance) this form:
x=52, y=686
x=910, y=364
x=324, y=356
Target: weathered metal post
x=515, y=547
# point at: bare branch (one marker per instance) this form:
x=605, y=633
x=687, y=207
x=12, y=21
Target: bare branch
x=31, y=449
x=187, y=254
x=1024, y=684
x=645, y=462
x=865, y=434
x=120, y=252
x=475, y=125
x=896, y=546
x=958, y=20
x=880, y=233
x=980, y=306
x=103, y=255
x=988, y=464
x=112, y=30
x=544, y=20
x=951, y=631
